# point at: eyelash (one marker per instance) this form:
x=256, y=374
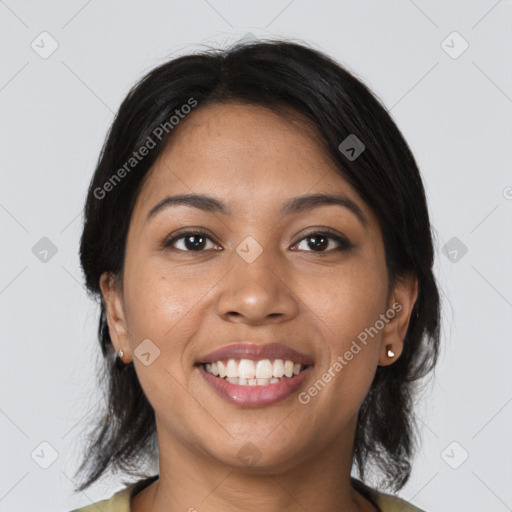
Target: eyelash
x=344, y=243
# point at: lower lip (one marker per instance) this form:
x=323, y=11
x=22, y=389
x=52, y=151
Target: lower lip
x=254, y=396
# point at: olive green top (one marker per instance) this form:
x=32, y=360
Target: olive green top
x=120, y=501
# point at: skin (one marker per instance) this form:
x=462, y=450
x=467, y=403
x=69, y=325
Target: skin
x=189, y=303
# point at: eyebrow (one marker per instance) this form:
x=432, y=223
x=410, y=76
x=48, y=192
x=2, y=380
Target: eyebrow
x=294, y=205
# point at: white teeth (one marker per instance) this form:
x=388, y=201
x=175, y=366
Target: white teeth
x=246, y=369
x=264, y=369
x=251, y=373
x=251, y=382
x=288, y=368
x=278, y=368
x=232, y=368
x=222, y=369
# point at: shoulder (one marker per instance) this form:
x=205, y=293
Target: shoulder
x=385, y=502
x=120, y=501
x=390, y=503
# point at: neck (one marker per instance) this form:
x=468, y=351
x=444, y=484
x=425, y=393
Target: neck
x=191, y=481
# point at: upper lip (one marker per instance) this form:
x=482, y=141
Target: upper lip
x=248, y=350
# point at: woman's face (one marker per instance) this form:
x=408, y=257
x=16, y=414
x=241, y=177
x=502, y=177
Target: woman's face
x=260, y=275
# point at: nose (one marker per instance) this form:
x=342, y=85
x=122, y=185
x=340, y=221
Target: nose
x=258, y=292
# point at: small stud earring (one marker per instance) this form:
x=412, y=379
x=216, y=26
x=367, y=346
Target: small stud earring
x=120, y=353
x=390, y=352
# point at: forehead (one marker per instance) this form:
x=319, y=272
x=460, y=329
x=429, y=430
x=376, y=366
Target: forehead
x=246, y=154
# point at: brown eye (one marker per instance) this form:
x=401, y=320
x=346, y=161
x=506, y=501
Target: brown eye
x=319, y=241
x=193, y=241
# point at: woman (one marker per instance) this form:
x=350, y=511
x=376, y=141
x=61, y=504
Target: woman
x=258, y=234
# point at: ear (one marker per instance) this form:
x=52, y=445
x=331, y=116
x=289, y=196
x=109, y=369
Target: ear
x=114, y=307
x=400, y=305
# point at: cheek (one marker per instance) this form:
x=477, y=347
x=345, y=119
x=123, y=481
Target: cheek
x=348, y=301
x=345, y=309
x=165, y=308
x=161, y=306
x=347, y=306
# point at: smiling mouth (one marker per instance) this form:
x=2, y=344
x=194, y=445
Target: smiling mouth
x=248, y=372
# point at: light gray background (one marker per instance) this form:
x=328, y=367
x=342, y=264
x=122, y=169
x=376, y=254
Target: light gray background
x=454, y=112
